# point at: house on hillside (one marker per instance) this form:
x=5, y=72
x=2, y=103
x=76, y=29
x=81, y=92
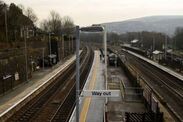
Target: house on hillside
x=135, y=43
x=157, y=55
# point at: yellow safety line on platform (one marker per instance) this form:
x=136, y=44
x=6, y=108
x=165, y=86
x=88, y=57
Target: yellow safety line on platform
x=87, y=100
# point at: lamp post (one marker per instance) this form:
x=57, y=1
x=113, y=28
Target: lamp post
x=5, y=19
x=25, y=44
x=77, y=72
x=91, y=29
x=43, y=58
x=116, y=58
x=69, y=44
x=50, y=50
x=153, y=44
x=72, y=44
x=63, y=46
x=165, y=46
x=105, y=54
x=49, y=43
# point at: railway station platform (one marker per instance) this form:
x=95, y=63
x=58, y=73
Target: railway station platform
x=163, y=68
x=93, y=109
x=117, y=106
x=16, y=98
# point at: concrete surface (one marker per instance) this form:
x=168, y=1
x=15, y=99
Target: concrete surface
x=116, y=107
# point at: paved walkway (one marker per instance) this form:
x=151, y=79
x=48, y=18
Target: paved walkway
x=116, y=107
x=95, y=109
x=39, y=78
x=92, y=109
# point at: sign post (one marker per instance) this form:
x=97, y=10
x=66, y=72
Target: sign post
x=77, y=72
x=87, y=29
x=101, y=93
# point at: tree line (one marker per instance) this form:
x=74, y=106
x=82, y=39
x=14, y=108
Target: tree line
x=12, y=20
x=149, y=40
x=178, y=38
x=56, y=24
x=15, y=17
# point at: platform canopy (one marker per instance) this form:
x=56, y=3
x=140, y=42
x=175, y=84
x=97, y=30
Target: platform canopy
x=93, y=28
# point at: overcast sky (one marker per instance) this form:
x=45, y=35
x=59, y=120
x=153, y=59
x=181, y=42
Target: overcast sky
x=87, y=12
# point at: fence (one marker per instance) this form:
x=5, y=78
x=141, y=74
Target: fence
x=143, y=117
x=146, y=92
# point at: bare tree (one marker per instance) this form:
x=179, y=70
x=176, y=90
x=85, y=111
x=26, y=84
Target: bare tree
x=22, y=7
x=31, y=15
x=44, y=25
x=2, y=7
x=68, y=24
x=178, y=38
x=54, y=22
x=1, y=2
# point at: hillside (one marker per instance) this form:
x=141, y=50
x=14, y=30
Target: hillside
x=164, y=24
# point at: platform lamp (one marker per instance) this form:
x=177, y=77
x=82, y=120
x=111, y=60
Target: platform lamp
x=89, y=29
x=49, y=40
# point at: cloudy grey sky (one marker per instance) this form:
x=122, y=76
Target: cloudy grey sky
x=87, y=12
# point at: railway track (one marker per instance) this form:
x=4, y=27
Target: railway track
x=56, y=102
x=60, y=113
x=168, y=87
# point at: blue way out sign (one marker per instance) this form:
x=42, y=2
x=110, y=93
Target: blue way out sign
x=101, y=93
